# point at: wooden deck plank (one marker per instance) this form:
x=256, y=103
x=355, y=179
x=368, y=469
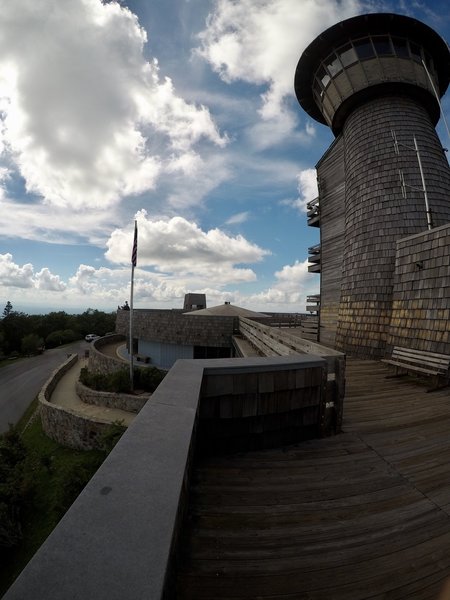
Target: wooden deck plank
x=362, y=515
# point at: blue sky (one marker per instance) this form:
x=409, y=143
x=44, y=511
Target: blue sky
x=179, y=113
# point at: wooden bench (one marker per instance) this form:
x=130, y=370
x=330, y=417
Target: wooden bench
x=424, y=363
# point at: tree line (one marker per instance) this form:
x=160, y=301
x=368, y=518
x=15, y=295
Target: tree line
x=28, y=334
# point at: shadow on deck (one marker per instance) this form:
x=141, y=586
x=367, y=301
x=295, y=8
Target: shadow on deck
x=362, y=515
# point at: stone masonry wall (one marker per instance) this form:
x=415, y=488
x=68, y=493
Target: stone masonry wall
x=101, y=363
x=62, y=424
x=421, y=296
x=128, y=402
x=173, y=327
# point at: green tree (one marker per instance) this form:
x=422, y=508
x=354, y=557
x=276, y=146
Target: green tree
x=8, y=309
x=31, y=343
x=15, y=327
x=59, y=337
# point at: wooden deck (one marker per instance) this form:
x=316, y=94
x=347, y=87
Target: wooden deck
x=362, y=515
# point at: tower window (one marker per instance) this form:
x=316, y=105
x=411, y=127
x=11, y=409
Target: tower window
x=364, y=49
x=333, y=65
x=347, y=55
x=323, y=77
x=415, y=52
x=401, y=47
x=382, y=45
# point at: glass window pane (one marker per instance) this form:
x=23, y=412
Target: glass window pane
x=323, y=77
x=333, y=65
x=347, y=55
x=401, y=47
x=382, y=45
x=428, y=61
x=415, y=52
x=364, y=49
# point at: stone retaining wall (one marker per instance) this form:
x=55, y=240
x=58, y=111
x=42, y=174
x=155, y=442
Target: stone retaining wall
x=128, y=402
x=64, y=425
x=101, y=363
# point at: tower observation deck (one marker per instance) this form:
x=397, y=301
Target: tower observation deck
x=367, y=78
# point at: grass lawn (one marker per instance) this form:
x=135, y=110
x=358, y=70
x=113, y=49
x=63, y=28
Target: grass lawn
x=56, y=475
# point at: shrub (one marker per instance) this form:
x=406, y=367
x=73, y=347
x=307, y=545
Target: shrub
x=119, y=381
x=59, y=337
x=16, y=488
x=149, y=378
x=111, y=436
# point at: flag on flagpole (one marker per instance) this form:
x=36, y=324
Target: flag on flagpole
x=134, y=253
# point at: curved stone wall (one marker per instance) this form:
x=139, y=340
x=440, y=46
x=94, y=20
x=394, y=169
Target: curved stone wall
x=64, y=425
x=102, y=363
x=128, y=402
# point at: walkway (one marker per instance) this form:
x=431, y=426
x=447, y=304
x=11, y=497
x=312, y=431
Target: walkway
x=362, y=515
x=65, y=395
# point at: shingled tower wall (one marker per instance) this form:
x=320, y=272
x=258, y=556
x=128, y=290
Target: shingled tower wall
x=367, y=77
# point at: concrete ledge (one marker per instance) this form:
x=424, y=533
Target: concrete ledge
x=118, y=538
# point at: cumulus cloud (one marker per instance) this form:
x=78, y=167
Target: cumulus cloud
x=82, y=113
x=13, y=275
x=45, y=280
x=241, y=41
x=307, y=189
x=180, y=246
x=288, y=293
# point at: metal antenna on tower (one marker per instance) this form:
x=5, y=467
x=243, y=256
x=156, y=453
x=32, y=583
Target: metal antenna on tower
x=404, y=185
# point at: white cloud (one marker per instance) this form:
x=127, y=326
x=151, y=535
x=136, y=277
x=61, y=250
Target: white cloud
x=83, y=114
x=14, y=276
x=238, y=218
x=180, y=246
x=55, y=224
x=109, y=287
x=307, y=189
x=260, y=42
x=44, y=280
x=287, y=294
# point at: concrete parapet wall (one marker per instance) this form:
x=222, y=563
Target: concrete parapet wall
x=421, y=297
x=64, y=425
x=146, y=478
x=128, y=402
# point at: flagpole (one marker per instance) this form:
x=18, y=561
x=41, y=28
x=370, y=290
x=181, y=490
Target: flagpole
x=133, y=264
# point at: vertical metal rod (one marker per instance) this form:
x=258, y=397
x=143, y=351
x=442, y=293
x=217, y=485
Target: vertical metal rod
x=427, y=206
x=131, y=330
x=436, y=95
x=133, y=264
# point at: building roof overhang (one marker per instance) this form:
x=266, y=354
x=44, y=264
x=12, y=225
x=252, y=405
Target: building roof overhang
x=369, y=24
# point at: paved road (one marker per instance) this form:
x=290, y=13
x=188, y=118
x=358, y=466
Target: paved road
x=21, y=381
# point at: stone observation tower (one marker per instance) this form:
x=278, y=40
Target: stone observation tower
x=373, y=79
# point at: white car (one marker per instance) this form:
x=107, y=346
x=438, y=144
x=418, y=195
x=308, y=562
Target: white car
x=90, y=337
